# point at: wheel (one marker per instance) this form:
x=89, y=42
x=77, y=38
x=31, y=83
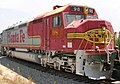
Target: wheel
x=3, y=51
x=10, y=54
x=56, y=66
x=72, y=68
x=43, y=63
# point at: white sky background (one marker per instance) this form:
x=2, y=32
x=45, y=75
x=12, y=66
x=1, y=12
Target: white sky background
x=13, y=11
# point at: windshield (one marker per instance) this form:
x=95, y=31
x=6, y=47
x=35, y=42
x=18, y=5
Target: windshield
x=71, y=17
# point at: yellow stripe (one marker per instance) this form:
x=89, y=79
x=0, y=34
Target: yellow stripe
x=75, y=35
x=99, y=34
x=33, y=36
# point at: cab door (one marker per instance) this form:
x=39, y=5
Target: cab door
x=47, y=34
x=56, y=32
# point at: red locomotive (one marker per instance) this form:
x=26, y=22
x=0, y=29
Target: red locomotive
x=69, y=37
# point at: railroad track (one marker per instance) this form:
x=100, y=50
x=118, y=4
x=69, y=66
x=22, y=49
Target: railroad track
x=41, y=74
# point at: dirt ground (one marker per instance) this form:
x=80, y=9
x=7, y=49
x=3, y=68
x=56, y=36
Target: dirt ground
x=7, y=76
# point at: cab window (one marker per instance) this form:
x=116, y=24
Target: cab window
x=71, y=17
x=57, y=21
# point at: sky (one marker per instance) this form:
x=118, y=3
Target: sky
x=14, y=11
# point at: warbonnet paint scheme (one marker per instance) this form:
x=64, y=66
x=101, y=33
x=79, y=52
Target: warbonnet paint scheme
x=69, y=37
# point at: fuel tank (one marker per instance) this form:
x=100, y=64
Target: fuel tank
x=26, y=56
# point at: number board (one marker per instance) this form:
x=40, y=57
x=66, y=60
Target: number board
x=76, y=8
x=90, y=10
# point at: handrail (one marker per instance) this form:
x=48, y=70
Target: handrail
x=108, y=55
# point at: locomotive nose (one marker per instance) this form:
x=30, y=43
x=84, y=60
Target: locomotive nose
x=96, y=31
x=91, y=33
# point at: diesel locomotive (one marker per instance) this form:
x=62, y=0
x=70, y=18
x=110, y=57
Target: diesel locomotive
x=70, y=38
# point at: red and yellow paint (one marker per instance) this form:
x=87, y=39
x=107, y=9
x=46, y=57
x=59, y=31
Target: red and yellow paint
x=95, y=35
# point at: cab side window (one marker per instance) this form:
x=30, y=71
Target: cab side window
x=57, y=21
